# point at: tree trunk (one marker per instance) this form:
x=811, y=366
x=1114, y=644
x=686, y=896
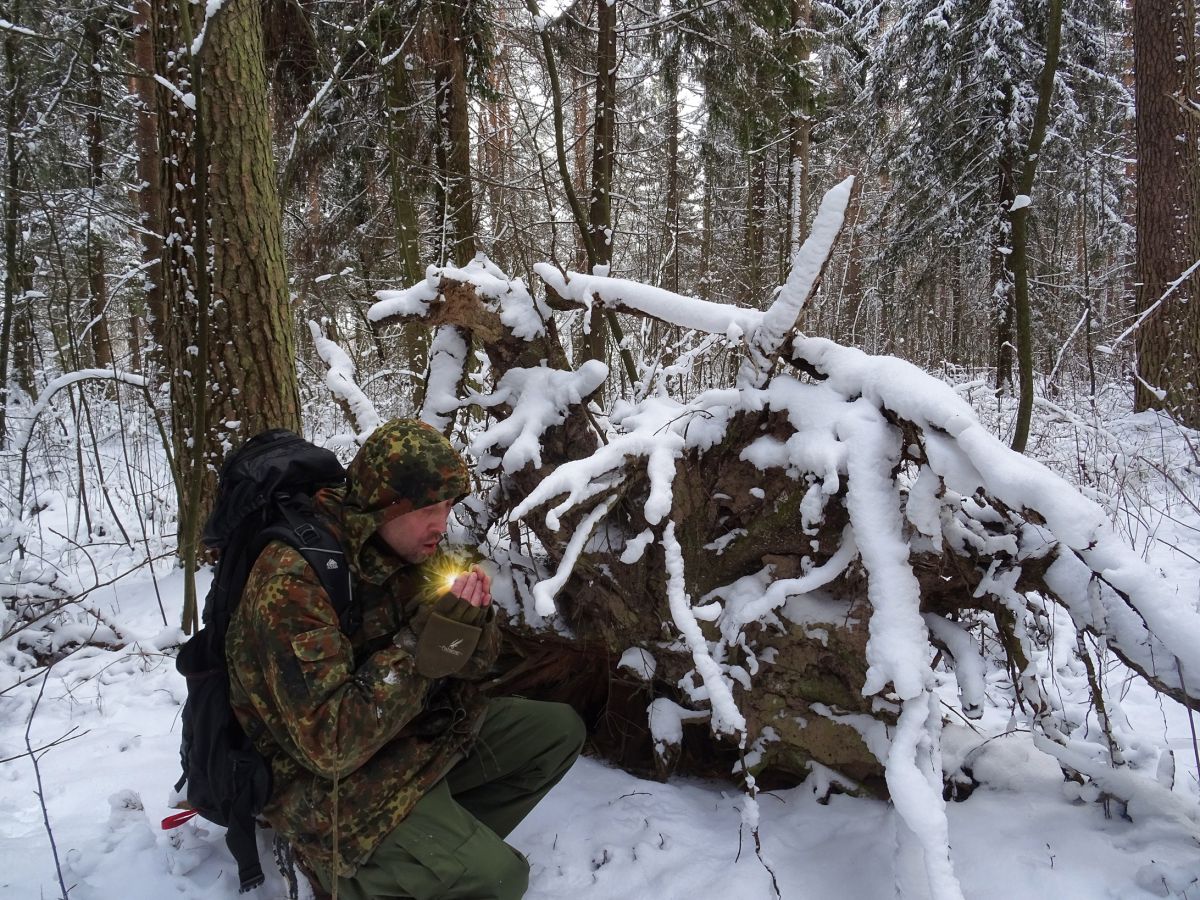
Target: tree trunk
x=1020, y=255
x=604, y=132
x=101, y=342
x=1168, y=208
x=404, y=130
x=604, y=136
x=252, y=353
x=232, y=359
x=958, y=305
x=454, y=133
x=852, y=286
x=14, y=110
x=669, y=267
x=705, y=279
x=1003, y=309
x=175, y=278
x=149, y=193
x=756, y=197
x=799, y=124
x=579, y=160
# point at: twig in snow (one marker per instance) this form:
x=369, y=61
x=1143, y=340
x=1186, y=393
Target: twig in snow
x=37, y=771
x=69, y=736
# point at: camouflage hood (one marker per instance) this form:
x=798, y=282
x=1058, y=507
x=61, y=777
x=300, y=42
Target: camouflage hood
x=404, y=465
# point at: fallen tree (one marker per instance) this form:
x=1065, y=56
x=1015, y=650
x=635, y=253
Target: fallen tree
x=776, y=565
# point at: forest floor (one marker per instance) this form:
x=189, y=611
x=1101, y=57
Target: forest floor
x=109, y=715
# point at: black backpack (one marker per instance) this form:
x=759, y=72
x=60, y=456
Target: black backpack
x=264, y=493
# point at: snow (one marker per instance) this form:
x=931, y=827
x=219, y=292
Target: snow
x=447, y=362
x=581, y=479
x=211, y=8
x=745, y=606
x=604, y=834
x=6, y=25
x=806, y=267
x=640, y=662
x=21, y=437
x=188, y=99
x=339, y=378
x=600, y=835
x=519, y=311
x=636, y=546
x=726, y=717
x=676, y=309
x=666, y=719
x=896, y=649
x=412, y=301
x=969, y=667
x=975, y=458
x=539, y=398
x=545, y=591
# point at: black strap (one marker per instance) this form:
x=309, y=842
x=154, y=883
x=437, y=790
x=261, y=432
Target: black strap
x=242, y=844
x=323, y=552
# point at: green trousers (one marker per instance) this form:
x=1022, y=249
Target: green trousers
x=451, y=846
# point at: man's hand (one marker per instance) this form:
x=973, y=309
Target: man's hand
x=475, y=587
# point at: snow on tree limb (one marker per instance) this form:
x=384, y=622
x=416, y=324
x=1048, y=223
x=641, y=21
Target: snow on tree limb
x=897, y=651
x=914, y=777
x=522, y=314
x=582, y=479
x=764, y=332
x=339, y=378
x=738, y=616
x=447, y=363
x=808, y=263
x=969, y=668
x=538, y=398
x=21, y=438
x=725, y=715
x=641, y=299
x=1138, y=611
x=545, y=591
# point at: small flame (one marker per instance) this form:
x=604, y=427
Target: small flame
x=442, y=574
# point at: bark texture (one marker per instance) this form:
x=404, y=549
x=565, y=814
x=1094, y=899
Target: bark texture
x=252, y=349
x=1168, y=207
x=101, y=342
x=149, y=171
x=454, y=132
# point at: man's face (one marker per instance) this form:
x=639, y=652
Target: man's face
x=414, y=536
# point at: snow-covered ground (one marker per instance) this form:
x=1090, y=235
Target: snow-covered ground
x=600, y=834
x=107, y=728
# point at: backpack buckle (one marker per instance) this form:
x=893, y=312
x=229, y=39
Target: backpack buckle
x=307, y=532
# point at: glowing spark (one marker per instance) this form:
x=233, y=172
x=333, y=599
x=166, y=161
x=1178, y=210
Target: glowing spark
x=442, y=574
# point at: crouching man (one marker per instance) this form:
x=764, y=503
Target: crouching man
x=392, y=776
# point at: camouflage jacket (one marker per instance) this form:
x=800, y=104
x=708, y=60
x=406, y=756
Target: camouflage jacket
x=352, y=731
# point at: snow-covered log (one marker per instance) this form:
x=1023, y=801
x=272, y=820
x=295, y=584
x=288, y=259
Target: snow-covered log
x=792, y=552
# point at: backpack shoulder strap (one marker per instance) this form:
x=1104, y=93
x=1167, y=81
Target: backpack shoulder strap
x=302, y=530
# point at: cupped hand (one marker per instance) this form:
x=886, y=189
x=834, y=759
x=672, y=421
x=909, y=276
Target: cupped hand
x=475, y=587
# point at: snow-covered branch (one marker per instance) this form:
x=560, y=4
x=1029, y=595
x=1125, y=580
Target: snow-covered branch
x=339, y=378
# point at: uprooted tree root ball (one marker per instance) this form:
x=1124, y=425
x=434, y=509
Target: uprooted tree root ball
x=762, y=577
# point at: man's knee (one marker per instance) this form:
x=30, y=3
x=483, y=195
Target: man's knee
x=561, y=720
x=496, y=871
x=538, y=726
